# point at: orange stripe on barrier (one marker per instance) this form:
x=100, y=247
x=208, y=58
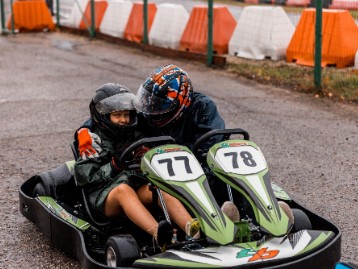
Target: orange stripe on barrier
x=339, y=39
x=31, y=15
x=344, y=4
x=251, y=1
x=134, y=29
x=298, y=3
x=100, y=7
x=195, y=36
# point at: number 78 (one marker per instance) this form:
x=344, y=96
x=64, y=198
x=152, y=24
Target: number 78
x=246, y=157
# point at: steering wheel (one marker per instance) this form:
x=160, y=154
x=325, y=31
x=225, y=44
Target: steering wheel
x=201, y=152
x=127, y=161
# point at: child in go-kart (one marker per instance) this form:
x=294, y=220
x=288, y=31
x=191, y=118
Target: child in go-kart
x=110, y=190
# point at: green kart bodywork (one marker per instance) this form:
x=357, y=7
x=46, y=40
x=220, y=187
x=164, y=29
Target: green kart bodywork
x=224, y=244
x=256, y=187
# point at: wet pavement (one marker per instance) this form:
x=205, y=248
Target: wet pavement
x=47, y=80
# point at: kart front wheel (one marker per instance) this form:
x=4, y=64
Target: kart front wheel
x=121, y=251
x=301, y=220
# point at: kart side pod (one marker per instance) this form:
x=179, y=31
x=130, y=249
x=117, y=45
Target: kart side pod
x=241, y=164
x=175, y=170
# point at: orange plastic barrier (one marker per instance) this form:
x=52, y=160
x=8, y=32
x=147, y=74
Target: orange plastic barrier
x=195, y=35
x=298, y=3
x=31, y=15
x=100, y=7
x=344, y=4
x=135, y=25
x=339, y=39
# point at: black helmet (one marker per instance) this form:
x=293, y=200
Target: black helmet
x=112, y=97
x=165, y=95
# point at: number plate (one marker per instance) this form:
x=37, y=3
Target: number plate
x=242, y=160
x=177, y=166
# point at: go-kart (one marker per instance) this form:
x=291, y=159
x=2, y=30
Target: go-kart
x=264, y=237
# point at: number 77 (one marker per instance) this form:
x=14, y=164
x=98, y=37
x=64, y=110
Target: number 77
x=169, y=163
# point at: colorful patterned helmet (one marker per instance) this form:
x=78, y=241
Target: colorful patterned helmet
x=165, y=95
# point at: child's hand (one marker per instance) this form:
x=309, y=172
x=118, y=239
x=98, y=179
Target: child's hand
x=88, y=144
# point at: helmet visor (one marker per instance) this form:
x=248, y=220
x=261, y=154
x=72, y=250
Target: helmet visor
x=147, y=103
x=117, y=102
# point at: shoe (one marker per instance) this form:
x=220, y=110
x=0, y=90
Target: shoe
x=192, y=229
x=231, y=211
x=287, y=209
x=164, y=233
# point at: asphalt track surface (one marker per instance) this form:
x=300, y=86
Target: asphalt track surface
x=47, y=80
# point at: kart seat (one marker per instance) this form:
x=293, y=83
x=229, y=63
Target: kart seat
x=57, y=183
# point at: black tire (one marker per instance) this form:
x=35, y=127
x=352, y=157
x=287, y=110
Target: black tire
x=39, y=190
x=122, y=251
x=301, y=220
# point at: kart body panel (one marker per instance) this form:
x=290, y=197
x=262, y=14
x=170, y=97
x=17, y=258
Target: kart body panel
x=67, y=230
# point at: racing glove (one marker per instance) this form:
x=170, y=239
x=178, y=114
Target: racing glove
x=88, y=144
x=140, y=152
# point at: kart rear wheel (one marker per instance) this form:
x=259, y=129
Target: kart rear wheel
x=301, y=220
x=121, y=251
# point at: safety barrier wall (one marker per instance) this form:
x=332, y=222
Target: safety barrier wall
x=127, y=22
x=339, y=39
x=31, y=15
x=100, y=7
x=356, y=61
x=168, y=25
x=74, y=18
x=262, y=32
x=116, y=18
x=298, y=3
x=195, y=37
x=135, y=26
x=254, y=2
x=344, y=4
x=65, y=8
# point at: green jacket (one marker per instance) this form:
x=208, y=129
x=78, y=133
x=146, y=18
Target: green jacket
x=97, y=176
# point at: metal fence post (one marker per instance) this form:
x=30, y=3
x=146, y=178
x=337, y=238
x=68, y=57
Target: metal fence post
x=58, y=13
x=209, y=59
x=2, y=15
x=145, y=21
x=318, y=45
x=12, y=18
x=93, y=23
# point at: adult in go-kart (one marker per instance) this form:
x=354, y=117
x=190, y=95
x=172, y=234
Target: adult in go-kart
x=111, y=191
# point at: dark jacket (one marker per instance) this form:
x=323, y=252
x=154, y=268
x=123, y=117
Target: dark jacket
x=201, y=117
x=97, y=176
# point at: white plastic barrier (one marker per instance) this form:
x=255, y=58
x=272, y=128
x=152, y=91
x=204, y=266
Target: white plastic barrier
x=65, y=9
x=262, y=32
x=116, y=17
x=76, y=14
x=356, y=61
x=168, y=25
